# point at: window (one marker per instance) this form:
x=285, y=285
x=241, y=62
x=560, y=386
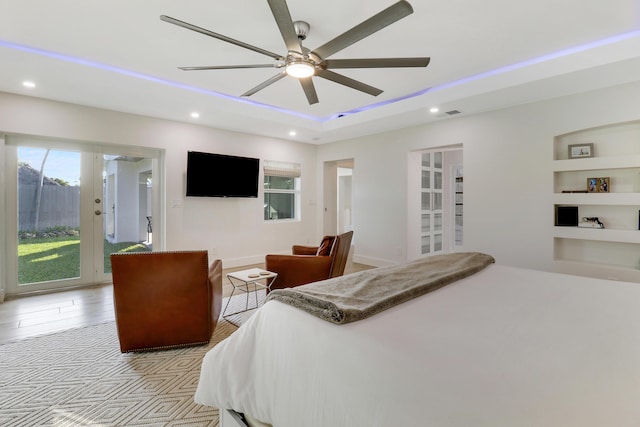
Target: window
x=281, y=190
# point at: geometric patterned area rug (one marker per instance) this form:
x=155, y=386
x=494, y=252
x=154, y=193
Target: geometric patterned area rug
x=242, y=306
x=79, y=378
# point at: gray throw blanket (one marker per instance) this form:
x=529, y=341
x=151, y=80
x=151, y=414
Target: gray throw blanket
x=357, y=296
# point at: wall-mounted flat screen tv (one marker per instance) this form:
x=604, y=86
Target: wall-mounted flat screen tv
x=220, y=175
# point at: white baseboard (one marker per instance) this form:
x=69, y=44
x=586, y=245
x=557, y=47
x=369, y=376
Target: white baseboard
x=259, y=259
x=375, y=262
x=242, y=262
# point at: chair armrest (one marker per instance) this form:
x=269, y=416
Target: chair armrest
x=215, y=291
x=294, y=270
x=304, y=250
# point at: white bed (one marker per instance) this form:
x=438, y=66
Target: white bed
x=504, y=347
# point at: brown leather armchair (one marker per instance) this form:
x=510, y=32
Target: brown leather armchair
x=165, y=299
x=310, y=263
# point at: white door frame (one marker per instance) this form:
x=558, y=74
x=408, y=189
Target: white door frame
x=92, y=259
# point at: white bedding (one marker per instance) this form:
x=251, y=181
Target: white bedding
x=505, y=347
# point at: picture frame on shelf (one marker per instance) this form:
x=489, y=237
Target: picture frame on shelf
x=598, y=185
x=579, y=151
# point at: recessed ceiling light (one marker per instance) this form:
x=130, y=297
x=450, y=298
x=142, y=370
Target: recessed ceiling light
x=434, y=109
x=195, y=115
x=292, y=133
x=28, y=84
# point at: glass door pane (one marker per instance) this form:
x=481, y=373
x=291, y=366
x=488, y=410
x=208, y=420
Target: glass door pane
x=426, y=244
x=426, y=179
x=127, y=218
x=437, y=159
x=426, y=200
x=426, y=223
x=426, y=160
x=437, y=222
x=437, y=180
x=49, y=240
x=437, y=242
x=437, y=201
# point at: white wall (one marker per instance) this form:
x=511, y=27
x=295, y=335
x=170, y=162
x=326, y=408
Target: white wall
x=231, y=229
x=508, y=184
x=507, y=166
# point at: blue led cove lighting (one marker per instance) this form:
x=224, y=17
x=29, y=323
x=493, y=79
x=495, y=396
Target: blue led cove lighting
x=137, y=75
x=486, y=74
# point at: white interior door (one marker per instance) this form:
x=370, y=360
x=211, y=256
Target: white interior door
x=431, y=203
x=434, y=201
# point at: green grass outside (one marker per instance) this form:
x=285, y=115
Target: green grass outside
x=56, y=258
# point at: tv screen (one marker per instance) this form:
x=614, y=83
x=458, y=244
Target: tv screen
x=219, y=175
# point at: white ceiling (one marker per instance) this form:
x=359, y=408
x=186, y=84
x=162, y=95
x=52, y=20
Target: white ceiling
x=119, y=55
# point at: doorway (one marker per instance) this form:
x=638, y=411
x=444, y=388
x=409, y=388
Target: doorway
x=338, y=184
x=434, y=201
x=75, y=204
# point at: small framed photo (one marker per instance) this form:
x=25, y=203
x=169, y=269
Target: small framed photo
x=579, y=151
x=598, y=185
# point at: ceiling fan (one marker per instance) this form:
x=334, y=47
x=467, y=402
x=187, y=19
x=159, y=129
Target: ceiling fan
x=302, y=63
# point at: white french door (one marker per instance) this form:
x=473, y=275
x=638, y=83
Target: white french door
x=431, y=203
x=434, y=201
x=70, y=206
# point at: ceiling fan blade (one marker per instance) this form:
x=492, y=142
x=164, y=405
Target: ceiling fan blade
x=282, y=16
x=377, y=22
x=264, y=84
x=206, y=32
x=309, y=90
x=227, y=67
x=347, y=81
x=377, y=63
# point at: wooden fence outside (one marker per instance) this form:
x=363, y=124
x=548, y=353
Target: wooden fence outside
x=59, y=206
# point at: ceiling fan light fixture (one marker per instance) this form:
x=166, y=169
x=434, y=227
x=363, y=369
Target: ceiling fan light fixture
x=302, y=63
x=300, y=69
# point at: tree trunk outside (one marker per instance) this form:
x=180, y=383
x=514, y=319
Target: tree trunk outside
x=39, y=191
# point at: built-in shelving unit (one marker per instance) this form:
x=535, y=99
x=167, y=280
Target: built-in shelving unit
x=459, y=205
x=612, y=252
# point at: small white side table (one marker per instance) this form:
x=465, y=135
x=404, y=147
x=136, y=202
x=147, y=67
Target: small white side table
x=247, y=281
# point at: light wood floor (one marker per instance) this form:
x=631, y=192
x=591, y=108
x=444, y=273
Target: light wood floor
x=34, y=315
